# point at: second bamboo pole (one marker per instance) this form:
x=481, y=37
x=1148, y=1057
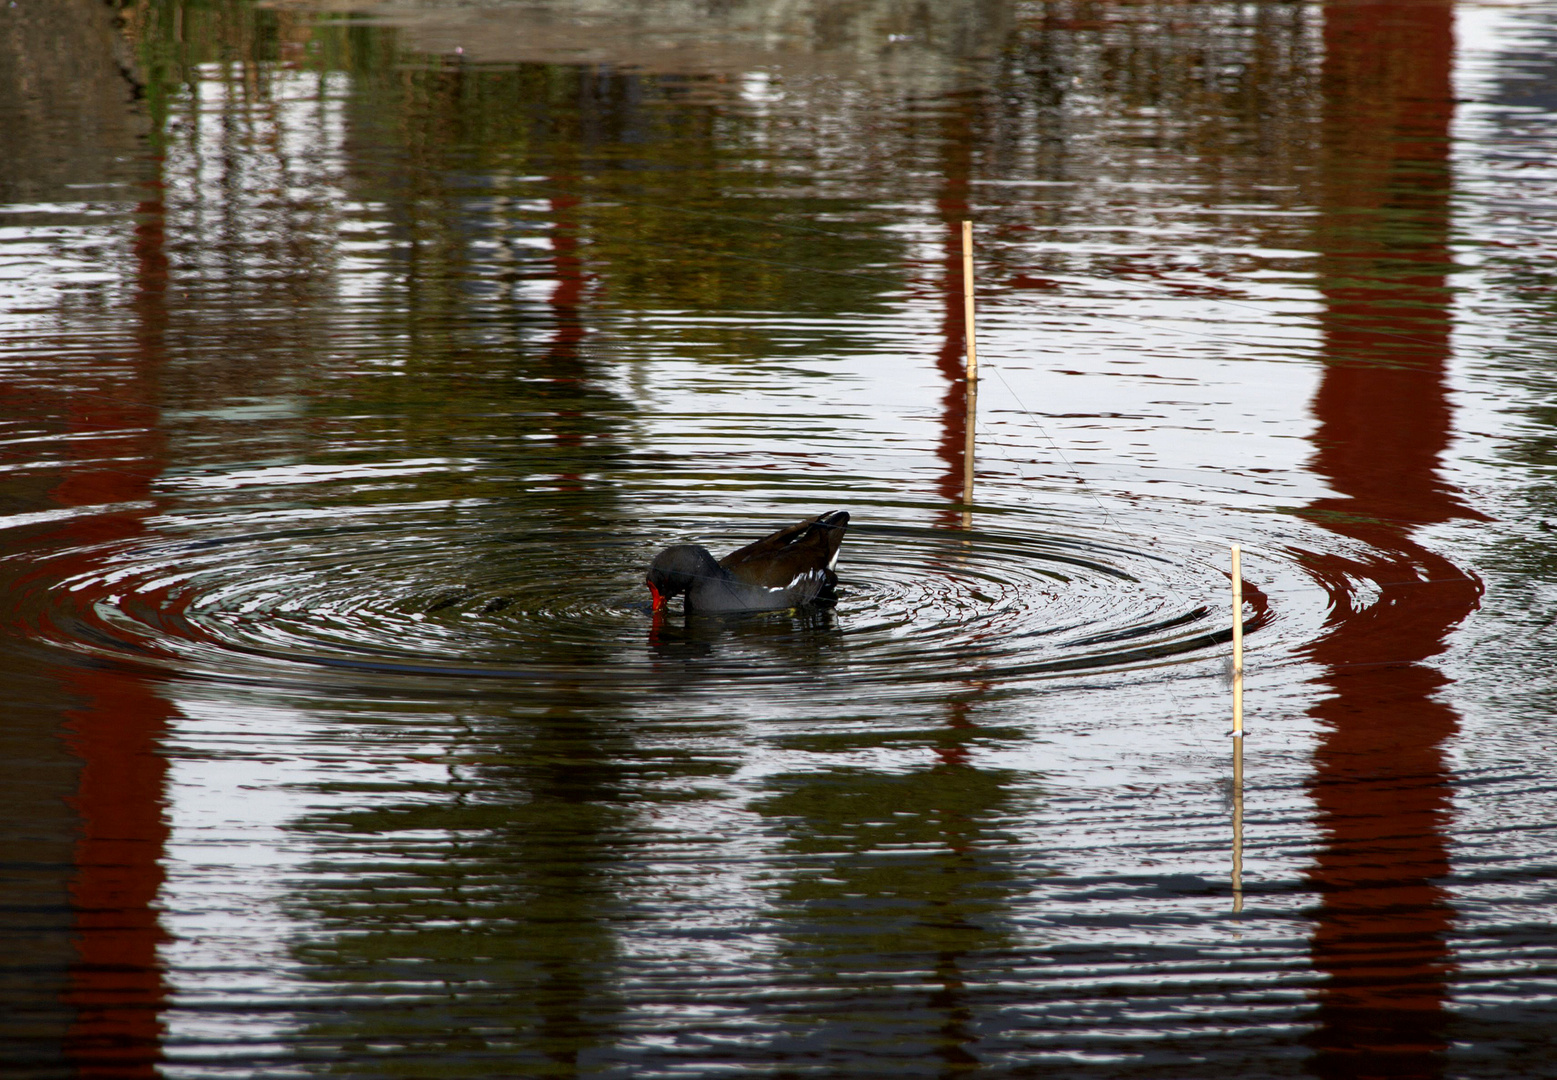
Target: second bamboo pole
x=1237, y=728
x=1237, y=825
x=1237, y=642
x=971, y=417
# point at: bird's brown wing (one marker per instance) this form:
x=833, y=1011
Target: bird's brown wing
x=775, y=561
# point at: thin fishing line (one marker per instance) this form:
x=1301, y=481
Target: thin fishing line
x=1107, y=516
x=1167, y=684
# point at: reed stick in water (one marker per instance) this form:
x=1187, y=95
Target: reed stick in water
x=971, y=417
x=1237, y=641
x=967, y=300
x=1237, y=729
x=1237, y=825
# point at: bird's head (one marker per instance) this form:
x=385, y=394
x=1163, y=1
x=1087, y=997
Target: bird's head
x=675, y=569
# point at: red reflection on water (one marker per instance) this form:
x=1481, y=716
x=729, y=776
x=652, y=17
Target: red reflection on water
x=952, y=362
x=567, y=270
x=116, y=988
x=949, y=996
x=952, y=359
x=1381, y=786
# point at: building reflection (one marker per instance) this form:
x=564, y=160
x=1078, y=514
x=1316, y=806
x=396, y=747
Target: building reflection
x=953, y=207
x=1381, y=786
x=84, y=813
x=95, y=830
x=117, y=987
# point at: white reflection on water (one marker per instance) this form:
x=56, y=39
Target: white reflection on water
x=1505, y=804
x=232, y=860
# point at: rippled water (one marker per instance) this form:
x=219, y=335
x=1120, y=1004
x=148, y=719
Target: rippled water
x=355, y=360
x=414, y=597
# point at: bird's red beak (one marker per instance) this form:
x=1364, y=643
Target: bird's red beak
x=659, y=601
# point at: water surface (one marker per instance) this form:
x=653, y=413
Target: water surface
x=356, y=358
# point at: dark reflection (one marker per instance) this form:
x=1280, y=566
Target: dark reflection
x=803, y=638
x=479, y=910
x=72, y=122
x=497, y=952
x=43, y=836
x=898, y=888
x=1381, y=785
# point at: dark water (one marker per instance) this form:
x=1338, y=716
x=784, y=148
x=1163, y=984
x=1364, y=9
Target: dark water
x=355, y=359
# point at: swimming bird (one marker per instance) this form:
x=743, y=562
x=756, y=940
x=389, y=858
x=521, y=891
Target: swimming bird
x=785, y=570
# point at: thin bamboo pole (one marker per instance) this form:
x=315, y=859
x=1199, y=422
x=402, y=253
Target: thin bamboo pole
x=1237, y=576
x=967, y=299
x=1237, y=824
x=971, y=419
x=1237, y=642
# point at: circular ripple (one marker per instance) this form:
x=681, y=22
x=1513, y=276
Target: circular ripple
x=396, y=595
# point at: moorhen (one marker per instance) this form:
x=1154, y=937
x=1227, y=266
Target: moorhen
x=785, y=570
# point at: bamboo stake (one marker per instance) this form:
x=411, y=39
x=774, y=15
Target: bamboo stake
x=1237, y=576
x=1237, y=642
x=1237, y=825
x=971, y=417
x=967, y=300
